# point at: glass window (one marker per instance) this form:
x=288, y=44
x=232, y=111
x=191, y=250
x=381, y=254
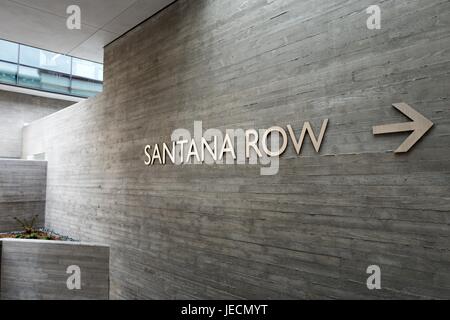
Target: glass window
x=44, y=59
x=55, y=82
x=8, y=72
x=86, y=88
x=87, y=69
x=29, y=77
x=9, y=51
x=44, y=80
x=48, y=71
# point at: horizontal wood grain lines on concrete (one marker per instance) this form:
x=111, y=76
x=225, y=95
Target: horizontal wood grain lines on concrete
x=22, y=192
x=37, y=270
x=225, y=231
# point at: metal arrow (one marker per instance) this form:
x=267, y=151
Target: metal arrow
x=419, y=125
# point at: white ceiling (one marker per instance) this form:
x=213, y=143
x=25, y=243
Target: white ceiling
x=42, y=23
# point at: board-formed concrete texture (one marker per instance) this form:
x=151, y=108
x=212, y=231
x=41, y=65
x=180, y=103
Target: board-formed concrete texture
x=17, y=109
x=40, y=270
x=22, y=193
x=225, y=231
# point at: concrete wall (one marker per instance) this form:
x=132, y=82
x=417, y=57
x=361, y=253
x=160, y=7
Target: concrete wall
x=311, y=231
x=22, y=192
x=37, y=270
x=16, y=109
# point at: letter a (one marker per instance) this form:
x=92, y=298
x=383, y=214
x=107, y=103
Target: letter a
x=374, y=281
x=74, y=281
x=74, y=20
x=374, y=21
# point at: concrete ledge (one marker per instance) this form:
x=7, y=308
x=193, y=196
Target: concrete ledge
x=37, y=270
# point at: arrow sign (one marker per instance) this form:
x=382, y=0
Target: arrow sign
x=419, y=125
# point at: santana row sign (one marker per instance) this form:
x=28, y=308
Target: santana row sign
x=263, y=146
x=244, y=146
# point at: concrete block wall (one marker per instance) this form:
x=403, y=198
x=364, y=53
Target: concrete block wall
x=37, y=270
x=22, y=192
x=225, y=231
x=17, y=109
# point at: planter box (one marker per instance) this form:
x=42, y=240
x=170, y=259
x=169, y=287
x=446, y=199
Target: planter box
x=38, y=270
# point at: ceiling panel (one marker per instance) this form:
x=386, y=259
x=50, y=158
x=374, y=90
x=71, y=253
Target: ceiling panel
x=89, y=49
x=135, y=14
x=42, y=23
x=36, y=28
x=95, y=13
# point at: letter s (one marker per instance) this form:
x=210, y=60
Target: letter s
x=147, y=154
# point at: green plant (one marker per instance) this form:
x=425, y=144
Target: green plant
x=28, y=227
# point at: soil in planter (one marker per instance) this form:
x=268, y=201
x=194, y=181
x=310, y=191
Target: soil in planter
x=30, y=232
x=38, y=235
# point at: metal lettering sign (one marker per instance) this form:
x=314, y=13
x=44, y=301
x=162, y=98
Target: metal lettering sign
x=248, y=143
x=250, y=146
x=419, y=126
